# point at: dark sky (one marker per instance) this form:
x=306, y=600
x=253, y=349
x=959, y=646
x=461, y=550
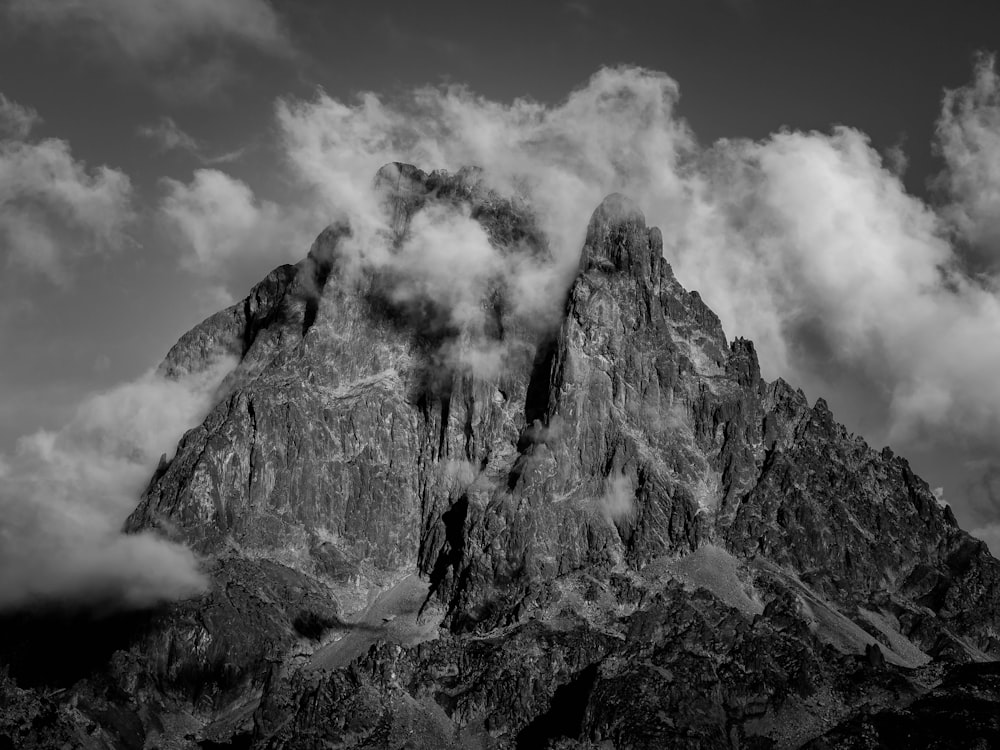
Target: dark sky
x=98, y=77
x=745, y=68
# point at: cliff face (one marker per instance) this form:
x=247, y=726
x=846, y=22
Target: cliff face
x=615, y=533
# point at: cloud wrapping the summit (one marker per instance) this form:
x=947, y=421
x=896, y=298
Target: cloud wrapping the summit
x=617, y=132
x=806, y=242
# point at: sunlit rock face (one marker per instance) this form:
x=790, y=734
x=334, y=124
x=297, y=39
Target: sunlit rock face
x=439, y=523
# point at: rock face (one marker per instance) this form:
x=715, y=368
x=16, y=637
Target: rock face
x=616, y=535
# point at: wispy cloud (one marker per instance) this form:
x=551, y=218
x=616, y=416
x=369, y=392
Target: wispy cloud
x=16, y=120
x=168, y=136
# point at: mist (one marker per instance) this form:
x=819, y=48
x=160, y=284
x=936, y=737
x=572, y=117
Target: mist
x=65, y=494
x=617, y=503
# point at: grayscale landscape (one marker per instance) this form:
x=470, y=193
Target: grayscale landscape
x=435, y=378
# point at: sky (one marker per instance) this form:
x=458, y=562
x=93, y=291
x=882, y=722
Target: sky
x=826, y=176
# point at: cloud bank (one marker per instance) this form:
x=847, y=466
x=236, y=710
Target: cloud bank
x=53, y=209
x=65, y=494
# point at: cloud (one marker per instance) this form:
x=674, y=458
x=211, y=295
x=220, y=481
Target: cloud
x=16, y=120
x=618, y=501
x=53, y=209
x=223, y=227
x=65, y=494
x=168, y=136
x=154, y=30
x=896, y=159
x=809, y=244
x=447, y=257
x=806, y=242
x=618, y=131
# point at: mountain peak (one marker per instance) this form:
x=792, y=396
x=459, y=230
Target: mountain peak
x=617, y=516
x=618, y=240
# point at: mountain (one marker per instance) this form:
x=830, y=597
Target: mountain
x=604, y=530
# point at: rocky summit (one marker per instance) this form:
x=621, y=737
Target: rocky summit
x=597, y=529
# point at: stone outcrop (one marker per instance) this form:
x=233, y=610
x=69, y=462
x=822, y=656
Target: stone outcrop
x=625, y=537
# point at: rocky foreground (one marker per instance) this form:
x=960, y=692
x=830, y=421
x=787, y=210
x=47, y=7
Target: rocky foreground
x=618, y=537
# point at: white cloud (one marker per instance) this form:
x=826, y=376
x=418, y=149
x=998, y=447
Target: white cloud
x=53, y=209
x=810, y=245
x=223, y=227
x=807, y=243
x=65, y=494
x=617, y=131
x=155, y=30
